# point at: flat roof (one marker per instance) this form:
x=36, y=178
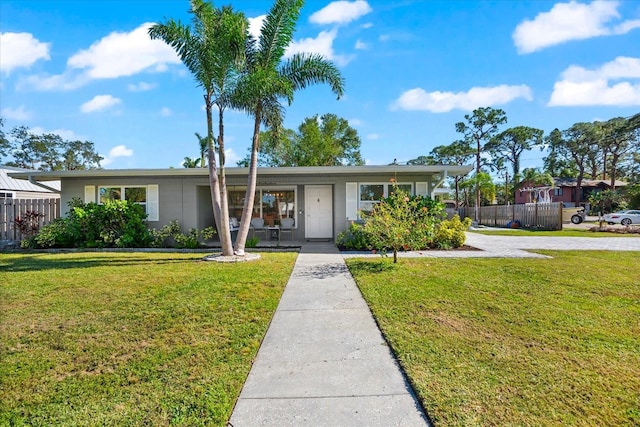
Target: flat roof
x=235, y=171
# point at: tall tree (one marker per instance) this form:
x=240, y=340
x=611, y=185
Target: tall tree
x=510, y=144
x=190, y=163
x=555, y=163
x=203, y=143
x=618, y=140
x=328, y=140
x=479, y=129
x=578, y=144
x=49, y=152
x=212, y=50
x=268, y=80
x=5, y=145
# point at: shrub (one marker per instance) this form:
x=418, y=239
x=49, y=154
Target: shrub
x=354, y=238
x=404, y=222
x=171, y=235
x=450, y=233
x=115, y=223
x=251, y=242
x=29, y=224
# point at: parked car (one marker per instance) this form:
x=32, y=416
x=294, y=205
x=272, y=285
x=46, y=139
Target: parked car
x=623, y=217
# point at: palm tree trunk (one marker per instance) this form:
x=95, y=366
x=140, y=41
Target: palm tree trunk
x=214, y=184
x=225, y=234
x=249, y=198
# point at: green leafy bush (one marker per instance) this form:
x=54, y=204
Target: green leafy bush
x=252, y=242
x=450, y=233
x=354, y=238
x=403, y=222
x=116, y=223
x=171, y=235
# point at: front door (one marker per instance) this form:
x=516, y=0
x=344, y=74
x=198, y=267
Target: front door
x=319, y=208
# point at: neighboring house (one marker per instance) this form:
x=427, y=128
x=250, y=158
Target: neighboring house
x=322, y=200
x=11, y=188
x=566, y=190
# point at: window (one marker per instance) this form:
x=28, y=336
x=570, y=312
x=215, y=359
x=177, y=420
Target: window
x=557, y=191
x=144, y=195
x=6, y=195
x=370, y=194
x=270, y=203
x=131, y=194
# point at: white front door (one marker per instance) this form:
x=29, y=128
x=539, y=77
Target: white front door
x=318, y=204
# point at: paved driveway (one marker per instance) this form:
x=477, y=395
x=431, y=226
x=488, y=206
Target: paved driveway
x=518, y=246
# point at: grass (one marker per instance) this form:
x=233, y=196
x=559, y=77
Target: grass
x=568, y=232
x=130, y=339
x=511, y=341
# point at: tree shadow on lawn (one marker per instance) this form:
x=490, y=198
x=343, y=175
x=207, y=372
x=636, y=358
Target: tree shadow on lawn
x=370, y=266
x=40, y=262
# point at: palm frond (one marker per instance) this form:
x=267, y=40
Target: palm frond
x=306, y=69
x=277, y=31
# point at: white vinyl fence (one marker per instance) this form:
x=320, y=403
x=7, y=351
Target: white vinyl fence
x=544, y=216
x=10, y=209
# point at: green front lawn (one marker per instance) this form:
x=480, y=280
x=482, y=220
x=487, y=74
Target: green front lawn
x=514, y=341
x=130, y=338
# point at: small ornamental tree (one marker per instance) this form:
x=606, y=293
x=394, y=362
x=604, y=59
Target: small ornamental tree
x=404, y=222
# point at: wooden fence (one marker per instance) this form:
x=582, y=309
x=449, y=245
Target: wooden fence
x=545, y=216
x=10, y=209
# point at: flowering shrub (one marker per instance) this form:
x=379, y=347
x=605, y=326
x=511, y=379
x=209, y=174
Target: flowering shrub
x=450, y=233
x=403, y=222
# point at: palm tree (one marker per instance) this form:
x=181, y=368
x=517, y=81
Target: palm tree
x=267, y=80
x=190, y=163
x=212, y=50
x=204, y=148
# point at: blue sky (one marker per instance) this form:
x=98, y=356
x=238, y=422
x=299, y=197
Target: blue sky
x=87, y=70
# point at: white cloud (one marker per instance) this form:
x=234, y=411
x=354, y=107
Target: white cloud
x=116, y=55
x=569, y=21
x=20, y=113
x=360, y=45
x=255, y=25
x=166, y=112
x=384, y=37
x=66, y=81
x=441, y=102
x=141, y=87
x=373, y=136
x=355, y=122
x=99, y=102
x=124, y=54
x=115, y=152
x=323, y=45
x=66, y=134
x=366, y=25
x=600, y=86
x=21, y=50
x=341, y=12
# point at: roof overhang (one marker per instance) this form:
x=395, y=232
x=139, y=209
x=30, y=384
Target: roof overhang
x=450, y=170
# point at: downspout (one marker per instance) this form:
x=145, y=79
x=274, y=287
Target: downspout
x=445, y=175
x=46, y=187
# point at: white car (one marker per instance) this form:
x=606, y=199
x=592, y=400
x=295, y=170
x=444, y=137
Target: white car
x=623, y=217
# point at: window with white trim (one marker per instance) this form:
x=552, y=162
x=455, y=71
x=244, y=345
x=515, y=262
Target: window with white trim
x=371, y=194
x=144, y=195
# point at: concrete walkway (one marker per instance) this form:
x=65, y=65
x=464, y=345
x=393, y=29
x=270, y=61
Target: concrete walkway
x=323, y=361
